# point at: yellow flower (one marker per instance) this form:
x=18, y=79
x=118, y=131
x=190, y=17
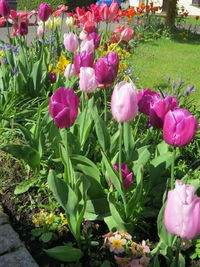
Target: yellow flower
x=2, y=53
x=57, y=21
x=116, y=244
x=62, y=63
x=50, y=218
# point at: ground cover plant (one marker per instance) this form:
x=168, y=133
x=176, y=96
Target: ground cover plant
x=106, y=174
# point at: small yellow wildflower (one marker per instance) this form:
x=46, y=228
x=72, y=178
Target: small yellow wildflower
x=2, y=53
x=50, y=218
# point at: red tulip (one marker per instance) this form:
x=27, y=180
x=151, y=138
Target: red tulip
x=4, y=8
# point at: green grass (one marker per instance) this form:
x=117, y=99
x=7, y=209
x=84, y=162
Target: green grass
x=154, y=61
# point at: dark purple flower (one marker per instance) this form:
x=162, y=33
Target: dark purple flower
x=83, y=59
x=23, y=28
x=145, y=97
x=173, y=85
x=168, y=79
x=106, y=68
x=63, y=107
x=44, y=11
x=52, y=77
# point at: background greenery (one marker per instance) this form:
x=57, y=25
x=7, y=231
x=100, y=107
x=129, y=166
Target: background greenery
x=30, y=5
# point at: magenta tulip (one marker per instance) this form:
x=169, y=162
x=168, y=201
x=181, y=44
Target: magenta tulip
x=83, y=60
x=87, y=82
x=44, y=11
x=145, y=98
x=70, y=42
x=63, y=107
x=4, y=8
x=96, y=39
x=124, y=102
x=179, y=127
x=23, y=28
x=106, y=68
x=127, y=176
x=182, y=211
x=159, y=108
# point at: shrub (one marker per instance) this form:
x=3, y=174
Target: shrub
x=30, y=5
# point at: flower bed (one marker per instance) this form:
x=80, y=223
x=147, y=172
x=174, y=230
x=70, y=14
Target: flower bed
x=105, y=165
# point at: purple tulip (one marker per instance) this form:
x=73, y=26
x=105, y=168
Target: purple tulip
x=127, y=176
x=182, y=211
x=52, y=77
x=179, y=127
x=145, y=97
x=4, y=8
x=159, y=108
x=63, y=107
x=87, y=82
x=44, y=11
x=83, y=60
x=96, y=39
x=70, y=42
x=106, y=68
x=124, y=102
x=23, y=28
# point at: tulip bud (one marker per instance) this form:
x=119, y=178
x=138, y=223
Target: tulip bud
x=127, y=34
x=4, y=8
x=182, y=211
x=63, y=107
x=87, y=80
x=127, y=176
x=23, y=28
x=158, y=109
x=83, y=35
x=52, y=77
x=69, y=71
x=44, y=11
x=124, y=102
x=179, y=127
x=70, y=42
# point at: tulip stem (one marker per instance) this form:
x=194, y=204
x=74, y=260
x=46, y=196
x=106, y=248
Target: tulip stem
x=105, y=104
x=120, y=151
x=172, y=168
x=178, y=251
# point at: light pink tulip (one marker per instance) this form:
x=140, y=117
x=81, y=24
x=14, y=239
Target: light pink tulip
x=87, y=45
x=69, y=71
x=124, y=102
x=83, y=35
x=70, y=42
x=87, y=80
x=182, y=211
x=40, y=30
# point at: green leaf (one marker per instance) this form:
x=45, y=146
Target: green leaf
x=46, y=237
x=25, y=185
x=101, y=131
x=143, y=157
x=128, y=140
x=27, y=153
x=37, y=232
x=65, y=253
x=105, y=264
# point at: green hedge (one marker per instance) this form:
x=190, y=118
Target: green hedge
x=33, y=4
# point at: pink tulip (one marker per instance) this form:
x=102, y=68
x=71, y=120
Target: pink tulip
x=87, y=82
x=179, y=127
x=40, y=30
x=87, y=45
x=127, y=34
x=95, y=37
x=70, y=42
x=182, y=211
x=108, y=14
x=69, y=71
x=4, y=8
x=124, y=102
x=83, y=35
x=159, y=108
x=145, y=97
x=63, y=107
x=89, y=26
x=127, y=176
x=44, y=11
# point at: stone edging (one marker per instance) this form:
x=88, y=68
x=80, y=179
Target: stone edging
x=12, y=250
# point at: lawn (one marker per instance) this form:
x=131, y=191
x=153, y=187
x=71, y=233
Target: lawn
x=155, y=61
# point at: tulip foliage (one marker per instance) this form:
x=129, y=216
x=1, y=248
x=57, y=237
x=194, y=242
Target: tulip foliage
x=108, y=151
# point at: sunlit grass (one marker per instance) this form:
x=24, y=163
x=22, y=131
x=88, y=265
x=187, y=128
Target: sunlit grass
x=153, y=62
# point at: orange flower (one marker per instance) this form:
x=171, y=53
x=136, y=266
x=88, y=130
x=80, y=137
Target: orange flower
x=140, y=22
x=139, y=35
